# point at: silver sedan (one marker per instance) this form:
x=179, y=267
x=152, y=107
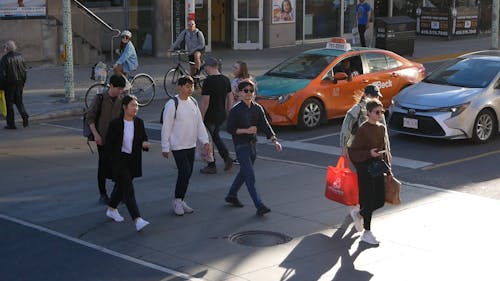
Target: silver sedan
x=459, y=100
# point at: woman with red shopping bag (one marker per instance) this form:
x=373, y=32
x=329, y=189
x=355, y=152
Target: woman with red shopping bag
x=368, y=153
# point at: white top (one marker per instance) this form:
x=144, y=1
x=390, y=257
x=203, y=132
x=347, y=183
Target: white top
x=183, y=131
x=128, y=136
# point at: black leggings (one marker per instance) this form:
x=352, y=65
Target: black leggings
x=371, y=193
x=214, y=130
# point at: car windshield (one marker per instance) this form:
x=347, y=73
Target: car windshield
x=465, y=72
x=303, y=66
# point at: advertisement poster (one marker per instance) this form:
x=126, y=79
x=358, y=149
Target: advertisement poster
x=283, y=11
x=23, y=8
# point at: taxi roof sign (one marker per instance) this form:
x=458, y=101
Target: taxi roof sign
x=338, y=46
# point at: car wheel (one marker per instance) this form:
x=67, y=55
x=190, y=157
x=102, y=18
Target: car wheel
x=484, y=127
x=310, y=114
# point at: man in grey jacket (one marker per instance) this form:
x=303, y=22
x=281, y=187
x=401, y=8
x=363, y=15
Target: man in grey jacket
x=194, y=43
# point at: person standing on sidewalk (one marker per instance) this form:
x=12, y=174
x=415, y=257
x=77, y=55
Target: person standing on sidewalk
x=104, y=108
x=216, y=100
x=243, y=121
x=368, y=146
x=363, y=15
x=182, y=127
x=126, y=140
x=12, y=80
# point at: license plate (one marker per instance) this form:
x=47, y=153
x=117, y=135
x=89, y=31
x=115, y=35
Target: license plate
x=410, y=123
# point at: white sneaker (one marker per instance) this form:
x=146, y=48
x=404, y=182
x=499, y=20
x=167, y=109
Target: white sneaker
x=187, y=209
x=140, y=224
x=357, y=219
x=178, y=208
x=113, y=214
x=369, y=238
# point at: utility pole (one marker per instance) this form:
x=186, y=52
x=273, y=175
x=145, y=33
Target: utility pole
x=69, y=84
x=494, y=24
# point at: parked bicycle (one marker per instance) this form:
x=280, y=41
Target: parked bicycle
x=143, y=87
x=171, y=77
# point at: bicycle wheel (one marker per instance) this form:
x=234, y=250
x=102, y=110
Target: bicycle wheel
x=98, y=88
x=143, y=87
x=170, y=81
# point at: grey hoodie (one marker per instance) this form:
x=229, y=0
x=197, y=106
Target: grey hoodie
x=194, y=41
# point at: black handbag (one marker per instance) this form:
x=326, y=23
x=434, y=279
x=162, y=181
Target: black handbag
x=378, y=167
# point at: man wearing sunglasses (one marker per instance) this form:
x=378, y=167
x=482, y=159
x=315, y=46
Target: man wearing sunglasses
x=243, y=121
x=127, y=62
x=194, y=42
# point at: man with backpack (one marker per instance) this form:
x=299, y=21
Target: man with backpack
x=182, y=127
x=194, y=42
x=104, y=109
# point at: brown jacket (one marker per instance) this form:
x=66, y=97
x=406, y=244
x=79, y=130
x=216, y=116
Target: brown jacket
x=367, y=137
x=108, y=111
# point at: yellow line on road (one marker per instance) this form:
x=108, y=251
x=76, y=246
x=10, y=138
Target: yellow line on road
x=460, y=160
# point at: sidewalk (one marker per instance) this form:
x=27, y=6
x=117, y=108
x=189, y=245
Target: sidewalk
x=44, y=91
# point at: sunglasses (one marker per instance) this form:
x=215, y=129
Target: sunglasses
x=246, y=91
x=379, y=112
x=126, y=37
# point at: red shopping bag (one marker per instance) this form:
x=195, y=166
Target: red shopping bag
x=342, y=183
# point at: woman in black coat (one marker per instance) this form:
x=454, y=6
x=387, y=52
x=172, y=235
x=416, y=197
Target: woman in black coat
x=126, y=140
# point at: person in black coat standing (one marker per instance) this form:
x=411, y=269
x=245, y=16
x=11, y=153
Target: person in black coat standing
x=12, y=80
x=126, y=140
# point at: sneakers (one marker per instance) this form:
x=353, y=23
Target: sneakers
x=369, y=238
x=113, y=214
x=178, y=208
x=357, y=219
x=10, y=127
x=187, y=209
x=228, y=164
x=234, y=201
x=140, y=224
x=104, y=199
x=236, y=162
x=263, y=210
x=25, y=122
x=209, y=170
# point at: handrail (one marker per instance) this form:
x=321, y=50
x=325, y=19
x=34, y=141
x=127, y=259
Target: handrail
x=90, y=13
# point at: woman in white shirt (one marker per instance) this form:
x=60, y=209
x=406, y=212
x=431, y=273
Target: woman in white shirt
x=126, y=139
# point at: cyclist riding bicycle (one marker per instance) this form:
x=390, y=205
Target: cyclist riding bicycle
x=127, y=61
x=194, y=42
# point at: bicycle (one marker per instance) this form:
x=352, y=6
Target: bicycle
x=143, y=87
x=171, y=77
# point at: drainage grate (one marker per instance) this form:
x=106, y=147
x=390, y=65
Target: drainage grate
x=259, y=238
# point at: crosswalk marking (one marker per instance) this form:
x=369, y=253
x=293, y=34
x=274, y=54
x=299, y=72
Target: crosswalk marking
x=320, y=148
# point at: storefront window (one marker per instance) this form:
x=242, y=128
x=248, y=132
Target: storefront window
x=321, y=19
x=349, y=15
x=101, y=3
x=141, y=25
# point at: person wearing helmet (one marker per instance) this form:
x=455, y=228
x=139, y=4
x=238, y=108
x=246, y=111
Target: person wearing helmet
x=194, y=42
x=127, y=61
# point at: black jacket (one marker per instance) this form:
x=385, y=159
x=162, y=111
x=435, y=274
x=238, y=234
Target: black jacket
x=114, y=146
x=241, y=117
x=12, y=69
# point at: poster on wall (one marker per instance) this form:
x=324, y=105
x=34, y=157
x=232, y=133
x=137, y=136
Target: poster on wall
x=23, y=9
x=283, y=11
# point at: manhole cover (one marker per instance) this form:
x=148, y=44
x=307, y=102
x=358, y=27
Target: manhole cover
x=259, y=238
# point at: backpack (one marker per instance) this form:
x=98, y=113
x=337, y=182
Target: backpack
x=87, y=133
x=176, y=102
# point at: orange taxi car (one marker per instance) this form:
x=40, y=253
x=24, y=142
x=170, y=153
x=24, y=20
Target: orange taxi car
x=320, y=84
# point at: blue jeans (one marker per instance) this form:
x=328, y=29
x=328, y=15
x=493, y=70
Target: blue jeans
x=246, y=154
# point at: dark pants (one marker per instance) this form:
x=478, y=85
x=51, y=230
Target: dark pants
x=214, y=130
x=102, y=169
x=184, y=159
x=124, y=188
x=371, y=193
x=246, y=154
x=14, y=95
x=361, y=30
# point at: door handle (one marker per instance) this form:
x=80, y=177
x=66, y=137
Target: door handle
x=365, y=81
x=394, y=74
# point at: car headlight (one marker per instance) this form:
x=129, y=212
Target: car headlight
x=455, y=110
x=395, y=103
x=284, y=98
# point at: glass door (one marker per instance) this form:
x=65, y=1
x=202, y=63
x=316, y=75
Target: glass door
x=248, y=22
